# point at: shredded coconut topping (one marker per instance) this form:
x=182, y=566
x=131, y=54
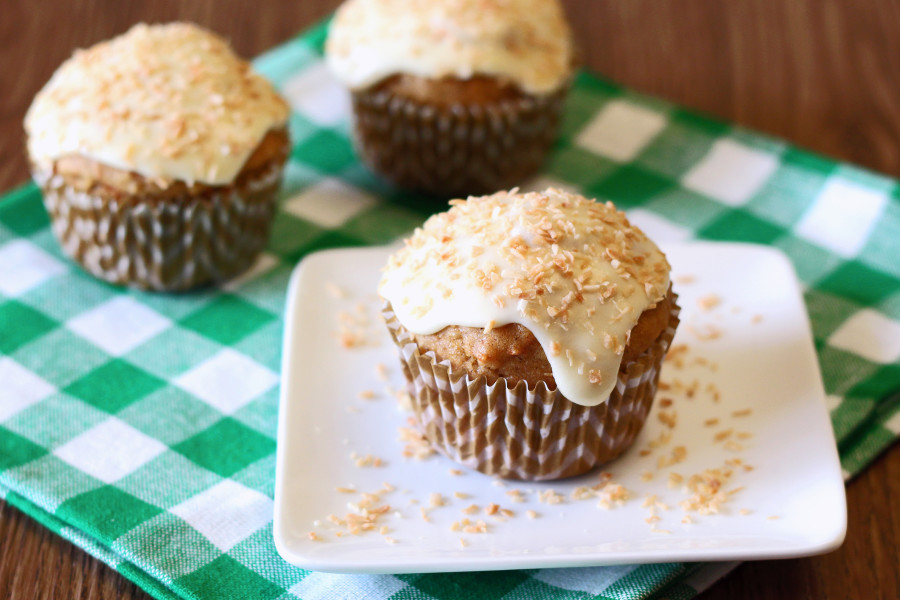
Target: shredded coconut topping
x=573, y=271
x=525, y=41
x=167, y=101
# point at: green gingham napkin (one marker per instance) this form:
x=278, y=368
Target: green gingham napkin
x=142, y=426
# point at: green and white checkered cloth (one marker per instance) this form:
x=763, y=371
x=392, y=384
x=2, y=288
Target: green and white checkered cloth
x=142, y=426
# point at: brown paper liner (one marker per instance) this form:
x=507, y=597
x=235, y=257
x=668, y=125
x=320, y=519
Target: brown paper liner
x=457, y=150
x=519, y=433
x=163, y=244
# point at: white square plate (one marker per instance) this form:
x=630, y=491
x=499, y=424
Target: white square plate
x=749, y=344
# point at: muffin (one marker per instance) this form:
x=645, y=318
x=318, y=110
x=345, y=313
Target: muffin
x=159, y=154
x=531, y=328
x=453, y=97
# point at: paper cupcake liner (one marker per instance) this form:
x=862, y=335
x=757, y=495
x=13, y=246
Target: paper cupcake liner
x=169, y=244
x=519, y=433
x=457, y=150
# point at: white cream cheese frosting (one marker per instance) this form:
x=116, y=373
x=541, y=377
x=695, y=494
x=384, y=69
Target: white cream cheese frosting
x=171, y=102
x=527, y=42
x=573, y=271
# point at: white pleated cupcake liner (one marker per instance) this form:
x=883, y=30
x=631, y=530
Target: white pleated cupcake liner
x=163, y=244
x=536, y=434
x=457, y=150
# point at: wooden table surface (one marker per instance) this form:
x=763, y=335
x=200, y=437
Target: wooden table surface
x=823, y=74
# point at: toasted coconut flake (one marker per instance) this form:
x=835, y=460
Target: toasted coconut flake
x=706, y=332
x=477, y=527
x=677, y=455
x=733, y=446
x=582, y=492
x=669, y=419
x=675, y=480
x=612, y=495
x=417, y=446
x=335, y=290
x=550, y=496
x=724, y=434
x=515, y=496
x=708, y=302
x=381, y=371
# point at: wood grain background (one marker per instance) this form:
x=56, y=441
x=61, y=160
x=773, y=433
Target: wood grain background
x=823, y=74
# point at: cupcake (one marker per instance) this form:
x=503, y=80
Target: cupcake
x=453, y=97
x=159, y=154
x=531, y=328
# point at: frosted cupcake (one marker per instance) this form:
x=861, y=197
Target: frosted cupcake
x=532, y=328
x=453, y=97
x=159, y=153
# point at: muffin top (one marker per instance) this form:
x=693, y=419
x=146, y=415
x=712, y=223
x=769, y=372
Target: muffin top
x=527, y=42
x=573, y=271
x=170, y=102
